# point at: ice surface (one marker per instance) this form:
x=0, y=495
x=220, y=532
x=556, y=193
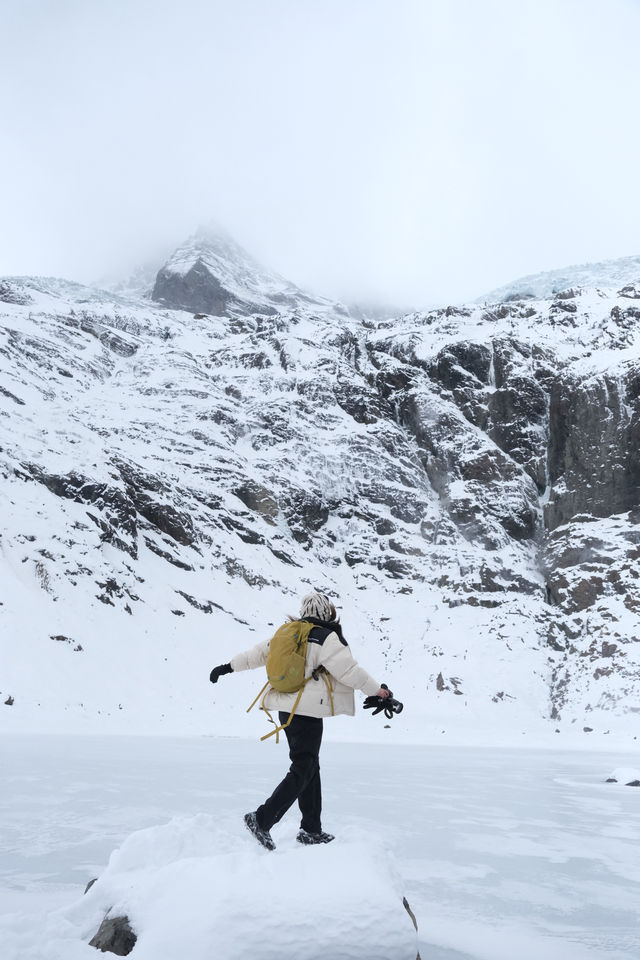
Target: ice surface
x=500, y=853
x=625, y=775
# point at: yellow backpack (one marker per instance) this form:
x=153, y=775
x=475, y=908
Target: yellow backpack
x=287, y=656
x=285, y=668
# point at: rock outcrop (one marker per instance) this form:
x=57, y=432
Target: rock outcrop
x=114, y=936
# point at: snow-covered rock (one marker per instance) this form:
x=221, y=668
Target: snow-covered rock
x=198, y=887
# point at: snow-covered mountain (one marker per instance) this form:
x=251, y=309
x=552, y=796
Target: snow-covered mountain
x=606, y=273
x=466, y=481
x=212, y=274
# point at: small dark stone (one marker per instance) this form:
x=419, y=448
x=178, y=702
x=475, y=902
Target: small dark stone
x=633, y=783
x=405, y=904
x=114, y=936
x=9, y=702
x=587, y=729
x=611, y=780
x=90, y=884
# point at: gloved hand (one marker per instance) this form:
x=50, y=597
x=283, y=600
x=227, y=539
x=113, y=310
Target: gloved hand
x=220, y=672
x=374, y=703
x=388, y=704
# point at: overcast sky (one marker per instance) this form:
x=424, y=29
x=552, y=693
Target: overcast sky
x=407, y=151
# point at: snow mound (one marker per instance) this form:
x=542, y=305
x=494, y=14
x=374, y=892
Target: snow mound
x=197, y=887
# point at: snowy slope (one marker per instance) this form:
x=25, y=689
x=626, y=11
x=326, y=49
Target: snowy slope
x=171, y=483
x=606, y=273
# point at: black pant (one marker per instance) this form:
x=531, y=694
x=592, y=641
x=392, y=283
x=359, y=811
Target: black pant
x=302, y=783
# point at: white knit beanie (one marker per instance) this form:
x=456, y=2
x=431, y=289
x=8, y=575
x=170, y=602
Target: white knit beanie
x=316, y=605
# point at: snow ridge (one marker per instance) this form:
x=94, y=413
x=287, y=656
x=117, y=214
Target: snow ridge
x=603, y=274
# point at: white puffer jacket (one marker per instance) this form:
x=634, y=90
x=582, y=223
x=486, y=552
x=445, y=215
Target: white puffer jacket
x=324, y=649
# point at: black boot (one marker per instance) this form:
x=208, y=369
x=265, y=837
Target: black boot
x=309, y=838
x=262, y=836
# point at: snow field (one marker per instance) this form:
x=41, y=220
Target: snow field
x=501, y=853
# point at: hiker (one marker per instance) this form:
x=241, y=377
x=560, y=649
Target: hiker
x=330, y=676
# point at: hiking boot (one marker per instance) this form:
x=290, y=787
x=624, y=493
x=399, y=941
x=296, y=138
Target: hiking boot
x=262, y=836
x=309, y=838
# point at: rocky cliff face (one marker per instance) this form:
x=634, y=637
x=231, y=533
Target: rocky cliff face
x=466, y=481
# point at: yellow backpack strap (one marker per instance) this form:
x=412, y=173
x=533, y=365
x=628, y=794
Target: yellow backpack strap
x=326, y=676
x=258, y=697
x=293, y=710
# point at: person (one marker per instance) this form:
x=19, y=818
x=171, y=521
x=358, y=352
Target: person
x=327, y=692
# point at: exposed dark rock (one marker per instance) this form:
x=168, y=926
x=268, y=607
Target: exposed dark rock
x=9, y=702
x=363, y=406
x=102, y=329
x=197, y=291
x=626, y=318
x=166, y=518
x=12, y=293
x=517, y=410
x=259, y=499
x=560, y=304
x=305, y=512
x=114, y=936
x=170, y=557
x=631, y=291
x=398, y=569
x=90, y=884
x=117, y=519
x=204, y=607
x=594, y=447
x=462, y=364
x=11, y=396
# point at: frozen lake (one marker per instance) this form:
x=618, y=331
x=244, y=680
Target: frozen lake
x=505, y=853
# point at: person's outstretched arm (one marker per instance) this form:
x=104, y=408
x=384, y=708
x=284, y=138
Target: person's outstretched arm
x=247, y=660
x=251, y=659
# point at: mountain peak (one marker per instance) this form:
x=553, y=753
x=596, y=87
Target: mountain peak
x=211, y=273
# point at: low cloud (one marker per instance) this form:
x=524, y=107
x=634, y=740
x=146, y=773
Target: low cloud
x=416, y=152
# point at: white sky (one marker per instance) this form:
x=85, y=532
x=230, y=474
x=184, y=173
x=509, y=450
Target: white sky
x=410, y=151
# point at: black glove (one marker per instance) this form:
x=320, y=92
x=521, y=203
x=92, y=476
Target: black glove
x=388, y=704
x=220, y=672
